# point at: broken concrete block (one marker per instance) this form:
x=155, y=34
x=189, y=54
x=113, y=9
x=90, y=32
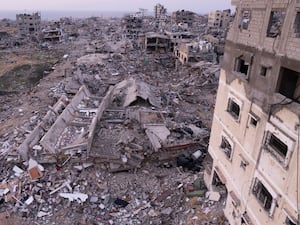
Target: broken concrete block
x=79, y=197
x=42, y=214
x=153, y=213
x=214, y=196
x=4, y=191
x=167, y=211
x=196, y=154
x=102, y=206
x=83, y=166
x=29, y=200
x=37, y=147
x=93, y=199
x=18, y=171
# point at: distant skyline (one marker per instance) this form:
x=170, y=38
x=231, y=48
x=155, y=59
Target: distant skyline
x=198, y=6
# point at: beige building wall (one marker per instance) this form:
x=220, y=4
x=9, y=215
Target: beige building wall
x=254, y=142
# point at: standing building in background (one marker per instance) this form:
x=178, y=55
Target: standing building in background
x=219, y=19
x=161, y=17
x=253, y=156
x=132, y=25
x=28, y=24
x=159, y=10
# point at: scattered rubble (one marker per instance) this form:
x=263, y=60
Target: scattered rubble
x=112, y=134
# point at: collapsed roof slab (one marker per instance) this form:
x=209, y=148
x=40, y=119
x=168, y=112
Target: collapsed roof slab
x=34, y=137
x=74, y=128
x=134, y=89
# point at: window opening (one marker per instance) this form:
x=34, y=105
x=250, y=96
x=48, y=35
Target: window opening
x=297, y=25
x=288, y=221
x=233, y=109
x=275, y=23
x=226, y=147
x=289, y=84
x=278, y=145
x=244, y=19
x=263, y=71
x=242, y=66
x=253, y=121
x=263, y=195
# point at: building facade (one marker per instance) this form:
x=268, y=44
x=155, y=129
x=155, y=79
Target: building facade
x=253, y=158
x=28, y=23
x=132, y=25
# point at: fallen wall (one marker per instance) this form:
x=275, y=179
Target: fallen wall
x=34, y=137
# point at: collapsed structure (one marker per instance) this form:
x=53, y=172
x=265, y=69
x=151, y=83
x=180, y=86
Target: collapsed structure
x=183, y=17
x=254, y=144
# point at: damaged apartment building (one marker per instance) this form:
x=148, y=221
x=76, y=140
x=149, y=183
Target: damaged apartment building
x=160, y=15
x=132, y=25
x=28, y=23
x=219, y=19
x=254, y=144
x=192, y=52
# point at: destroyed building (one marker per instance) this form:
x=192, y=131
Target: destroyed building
x=219, y=19
x=28, y=23
x=254, y=145
x=132, y=25
x=177, y=37
x=183, y=17
x=157, y=42
x=192, y=52
x=52, y=35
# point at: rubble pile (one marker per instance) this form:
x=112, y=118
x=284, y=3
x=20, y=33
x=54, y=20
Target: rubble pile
x=113, y=135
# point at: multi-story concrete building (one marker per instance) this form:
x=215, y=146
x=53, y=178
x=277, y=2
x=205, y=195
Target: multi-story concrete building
x=254, y=146
x=132, y=25
x=219, y=19
x=28, y=23
x=159, y=10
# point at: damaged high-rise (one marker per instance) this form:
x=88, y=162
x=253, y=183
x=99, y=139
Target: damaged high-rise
x=254, y=144
x=28, y=23
x=159, y=10
x=132, y=25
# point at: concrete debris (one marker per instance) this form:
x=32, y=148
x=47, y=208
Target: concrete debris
x=79, y=197
x=18, y=171
x=111, y=120
x=29, y=200
x=214, y=196
x=4, y=191
x=157, y=135
x=42, y=214
x=134, y=89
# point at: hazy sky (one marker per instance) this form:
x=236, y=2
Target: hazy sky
x=114, y=5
